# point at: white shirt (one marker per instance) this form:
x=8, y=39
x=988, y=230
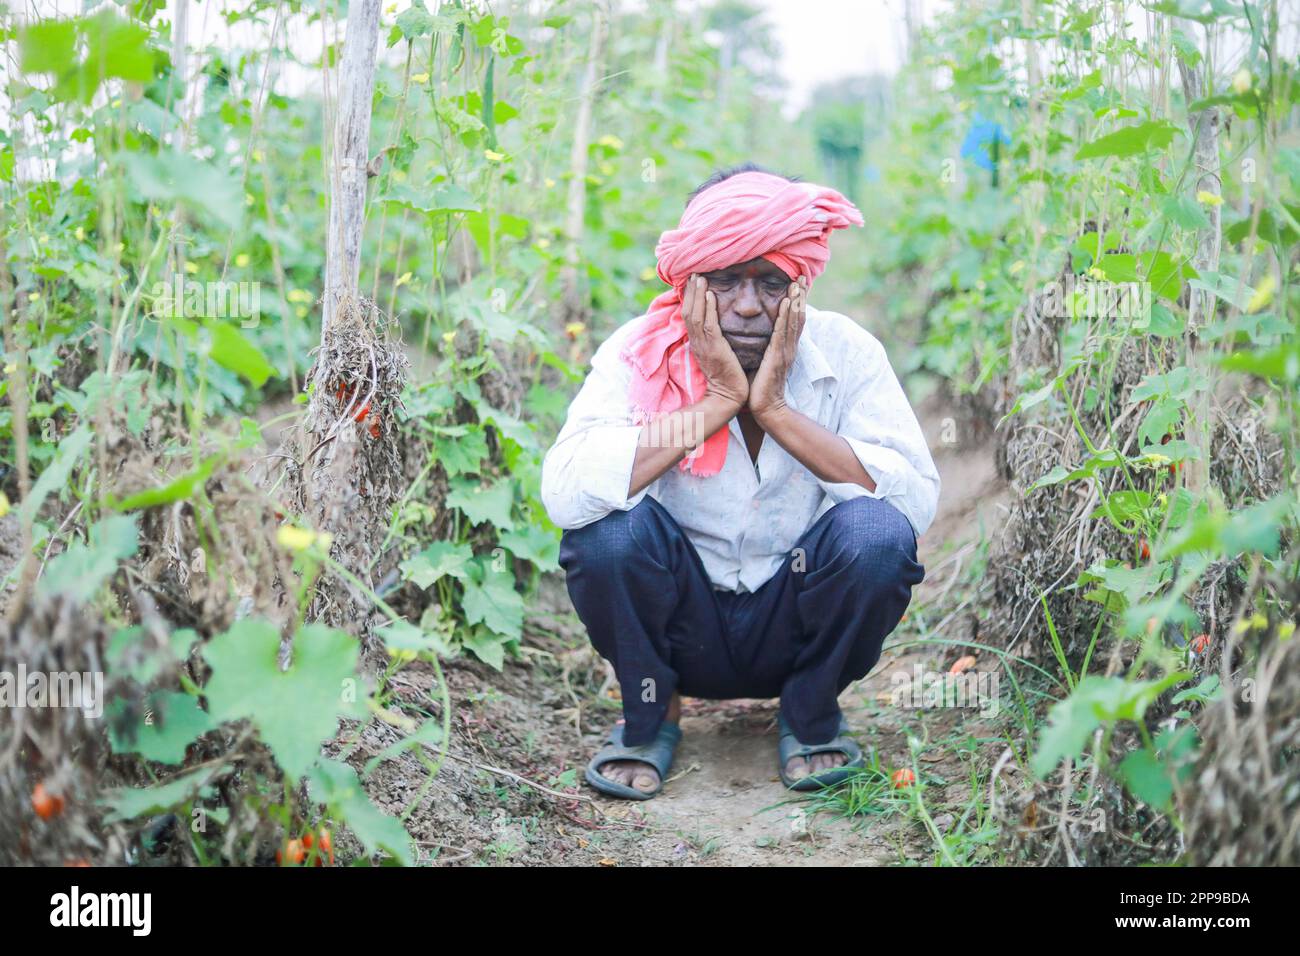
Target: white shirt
x=745, y=520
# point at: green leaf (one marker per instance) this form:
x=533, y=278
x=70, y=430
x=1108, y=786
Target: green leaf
x=337, y=786
x=491, y=599
x=56, y=473
x=492, y=503
x=181, y=489
x=404, y=636
x=533, y=544
x=130, y=803
x=461, y=454
x=48, y=46
x=1184, y=211
x=163, y=730
x=1282, y=364
x=1145, y=777
x=1123, y=508
x=294, y=711
x=1175, y=384
x=1255, y=529
x=438, y=559
x=230, y=349
x=487, y=647
x=429, y=733
x=1095, y=699
x=170, y=176
x=1131, y=140
x=1230, y=290
x=81, y=569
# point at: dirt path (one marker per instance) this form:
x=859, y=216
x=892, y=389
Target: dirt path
x=723, y=804
x=725, y=799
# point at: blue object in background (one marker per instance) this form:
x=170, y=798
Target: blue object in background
x=978, y=142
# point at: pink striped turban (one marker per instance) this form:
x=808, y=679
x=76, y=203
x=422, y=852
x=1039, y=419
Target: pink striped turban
x=746, y=216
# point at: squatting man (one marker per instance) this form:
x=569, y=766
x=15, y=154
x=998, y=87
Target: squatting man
x=741, y=482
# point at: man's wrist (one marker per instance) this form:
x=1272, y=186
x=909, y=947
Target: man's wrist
x=775, y=419
x=725, y=405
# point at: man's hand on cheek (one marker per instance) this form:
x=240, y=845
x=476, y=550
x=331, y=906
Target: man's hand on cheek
x=767, y=390
x=723, y=375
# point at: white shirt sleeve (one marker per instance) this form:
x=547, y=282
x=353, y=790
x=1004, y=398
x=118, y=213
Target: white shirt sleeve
x=880, y=426
x=586, y=473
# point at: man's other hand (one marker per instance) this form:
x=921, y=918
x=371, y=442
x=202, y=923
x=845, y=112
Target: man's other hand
x=767, y=390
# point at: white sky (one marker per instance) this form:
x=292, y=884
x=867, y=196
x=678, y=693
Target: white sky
x=825, y=40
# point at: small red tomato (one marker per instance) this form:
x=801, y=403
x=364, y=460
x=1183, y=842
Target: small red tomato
x=308, y=840
x=1201, y=642
x=903, y=778
x=46, y=805
x=1146, y=549
x=327, y=844
x=293, y=852
x=374, y=428
x=362, y=412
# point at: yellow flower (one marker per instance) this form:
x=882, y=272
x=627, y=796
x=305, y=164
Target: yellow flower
x=611, y=141
x=33, y=297
x=191, y=267
x=574, y=328
x=257, y=155
x=4, y=504
x=300, y=539
x=1241, y=81
x=419, y=77
x=241, y=260
x=404, y=278
x=449, y=337
x=80, y=234
x=550, y=183
x=299, y=295
x=648, y=273
x=1208, y=199
x=543, y=242
x=1263, y=295
x=493, y=155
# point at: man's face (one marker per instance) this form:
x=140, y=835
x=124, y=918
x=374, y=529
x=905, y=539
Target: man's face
x=749, y=295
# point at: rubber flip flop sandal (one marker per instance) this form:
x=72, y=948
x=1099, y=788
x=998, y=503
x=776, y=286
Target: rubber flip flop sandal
x=789, y=747
x=658, y=754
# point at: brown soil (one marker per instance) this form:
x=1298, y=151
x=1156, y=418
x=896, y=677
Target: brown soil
x=723, y=803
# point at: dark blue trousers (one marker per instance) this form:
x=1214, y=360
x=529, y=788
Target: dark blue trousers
x=812, y=629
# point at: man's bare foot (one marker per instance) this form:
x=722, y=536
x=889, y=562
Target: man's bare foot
x=635, y=773
x=799, y=767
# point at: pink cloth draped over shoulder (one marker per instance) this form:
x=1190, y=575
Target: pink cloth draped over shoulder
x=746, y=216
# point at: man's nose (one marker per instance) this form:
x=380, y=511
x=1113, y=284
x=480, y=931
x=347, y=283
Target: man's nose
x=747, y=304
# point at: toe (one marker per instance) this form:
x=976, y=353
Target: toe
x=645, y=780
x=796, y=768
